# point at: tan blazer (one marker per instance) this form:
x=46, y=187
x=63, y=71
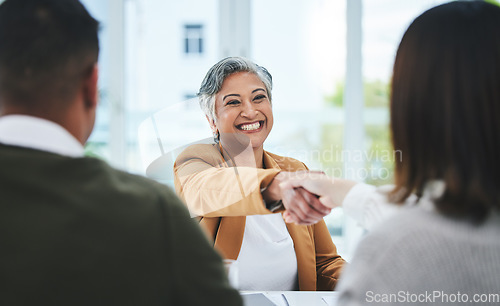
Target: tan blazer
x=221, y=196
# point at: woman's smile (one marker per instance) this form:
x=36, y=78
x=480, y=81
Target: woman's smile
x=251, y=127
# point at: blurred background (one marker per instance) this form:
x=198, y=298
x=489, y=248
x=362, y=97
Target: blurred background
x=331, y=62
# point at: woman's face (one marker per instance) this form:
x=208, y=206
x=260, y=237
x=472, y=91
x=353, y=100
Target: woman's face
x=243, y=108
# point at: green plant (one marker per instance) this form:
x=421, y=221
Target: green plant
x=375, y=94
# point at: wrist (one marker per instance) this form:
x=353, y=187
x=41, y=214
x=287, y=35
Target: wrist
x=271, y=193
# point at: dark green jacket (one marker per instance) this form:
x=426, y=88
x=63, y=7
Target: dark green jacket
x=74, y=231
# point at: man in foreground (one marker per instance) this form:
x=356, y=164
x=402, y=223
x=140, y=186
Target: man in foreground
x=74, y=231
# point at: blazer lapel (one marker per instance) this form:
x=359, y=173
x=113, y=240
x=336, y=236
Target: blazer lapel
x=230, y=236
x=302, y=242
x=305, y=252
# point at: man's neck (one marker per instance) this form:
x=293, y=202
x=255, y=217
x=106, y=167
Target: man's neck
x=70, y=119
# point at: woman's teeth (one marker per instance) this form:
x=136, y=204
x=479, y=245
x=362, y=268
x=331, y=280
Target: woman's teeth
x=250, y=127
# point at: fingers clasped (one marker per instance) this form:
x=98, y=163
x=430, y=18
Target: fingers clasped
x=302, y=206
x=305, y=195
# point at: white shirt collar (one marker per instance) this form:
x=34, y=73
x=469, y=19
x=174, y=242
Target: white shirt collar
x=40, y=134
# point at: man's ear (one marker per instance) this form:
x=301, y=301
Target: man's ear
x=90, y=90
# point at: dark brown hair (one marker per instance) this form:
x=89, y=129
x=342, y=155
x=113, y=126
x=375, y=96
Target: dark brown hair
x=46, y=48
x=445, y=107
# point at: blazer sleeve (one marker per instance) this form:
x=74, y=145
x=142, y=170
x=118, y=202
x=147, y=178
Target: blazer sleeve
x=211, y=189
x=329, y=264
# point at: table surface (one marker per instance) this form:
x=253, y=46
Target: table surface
x=289, y=298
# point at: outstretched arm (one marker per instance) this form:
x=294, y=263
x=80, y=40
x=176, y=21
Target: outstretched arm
x=367, y=204
x=210, y=188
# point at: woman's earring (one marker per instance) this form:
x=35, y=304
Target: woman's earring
x=217, y=136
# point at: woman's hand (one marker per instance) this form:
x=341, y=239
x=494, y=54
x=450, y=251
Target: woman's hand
x=329, y=192
x=302, y=206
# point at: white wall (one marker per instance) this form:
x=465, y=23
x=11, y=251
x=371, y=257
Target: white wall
x=161, y=73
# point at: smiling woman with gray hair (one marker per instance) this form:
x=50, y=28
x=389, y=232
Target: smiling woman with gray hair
x=232, y=186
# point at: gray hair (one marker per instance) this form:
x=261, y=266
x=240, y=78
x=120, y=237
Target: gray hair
x=214, y=78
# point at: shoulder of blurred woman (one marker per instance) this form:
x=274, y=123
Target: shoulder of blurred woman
x=416, y=229
x=419, y=243
x=284, y=162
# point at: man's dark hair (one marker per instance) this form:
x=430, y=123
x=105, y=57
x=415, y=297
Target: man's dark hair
x=445, y=107
x=46, y=48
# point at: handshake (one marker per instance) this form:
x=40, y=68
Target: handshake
x=307, y=196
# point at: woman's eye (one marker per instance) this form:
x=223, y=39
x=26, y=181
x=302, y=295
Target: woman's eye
x=259, y=97
x=233, y=102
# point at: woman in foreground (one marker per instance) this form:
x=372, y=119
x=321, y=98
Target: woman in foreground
x=233, y=186
x=445, y=110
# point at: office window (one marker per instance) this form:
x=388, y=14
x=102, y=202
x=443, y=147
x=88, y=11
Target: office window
x=190, y=101
x=193, y=39
x=189, y=96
